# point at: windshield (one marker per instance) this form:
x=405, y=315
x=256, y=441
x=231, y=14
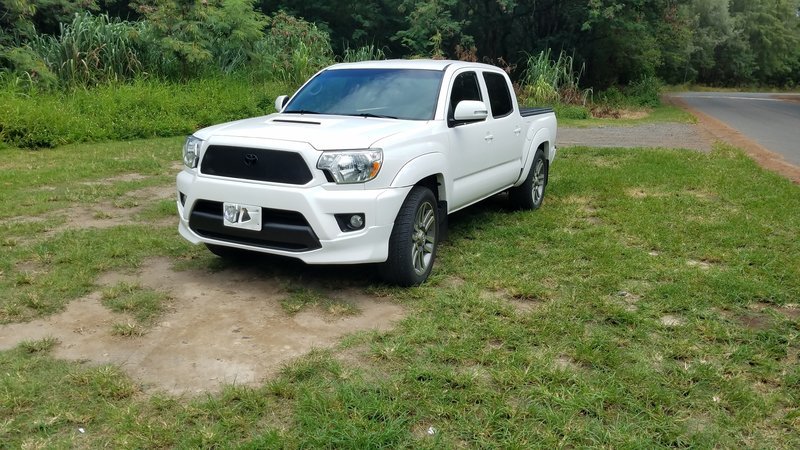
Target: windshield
x=393, y=93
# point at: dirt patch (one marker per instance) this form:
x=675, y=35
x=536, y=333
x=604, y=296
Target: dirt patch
x=720, y=131
x=790, y=310
x=225, y=327
x=705, y=265
x=607, y=112
x=564, y=362
x=629, y=300
x=127, y=177
x=522, y=303
x=755, y=321
x=106, y=214
x=671, y=321
x=453, y=282
x=789, y=98
x=122, y=211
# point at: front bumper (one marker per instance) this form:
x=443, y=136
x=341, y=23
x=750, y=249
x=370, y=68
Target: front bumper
x=317, y=205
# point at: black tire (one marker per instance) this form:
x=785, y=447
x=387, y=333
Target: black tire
x=414, y=239
x=530, y=194
x=229, y=253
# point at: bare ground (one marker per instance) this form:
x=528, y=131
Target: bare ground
x=223, y=328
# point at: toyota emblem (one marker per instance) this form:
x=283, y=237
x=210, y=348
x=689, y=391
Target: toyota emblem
x=250, y=159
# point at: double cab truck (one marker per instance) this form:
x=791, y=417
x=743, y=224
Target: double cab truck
x=363, y=164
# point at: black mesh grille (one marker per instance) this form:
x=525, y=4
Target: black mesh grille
x=280, y=229
x=255, y=164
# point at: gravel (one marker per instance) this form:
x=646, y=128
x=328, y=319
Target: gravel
x=665, y=135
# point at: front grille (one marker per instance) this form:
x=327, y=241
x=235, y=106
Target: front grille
x=280, y=229
x=255, y=164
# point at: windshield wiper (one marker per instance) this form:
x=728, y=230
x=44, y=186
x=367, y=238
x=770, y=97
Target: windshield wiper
x=301, y=111
x=378, y=116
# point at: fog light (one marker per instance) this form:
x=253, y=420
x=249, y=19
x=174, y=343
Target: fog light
x=350, y=221
x=356, y=221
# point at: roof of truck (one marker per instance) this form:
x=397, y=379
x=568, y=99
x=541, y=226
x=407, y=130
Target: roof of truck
x=420, y=64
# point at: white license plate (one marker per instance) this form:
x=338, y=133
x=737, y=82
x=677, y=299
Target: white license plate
x=236, y=215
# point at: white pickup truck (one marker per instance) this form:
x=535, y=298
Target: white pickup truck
x=363, y=164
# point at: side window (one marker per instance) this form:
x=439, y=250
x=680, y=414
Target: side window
x=465, y=87
x=499, y=96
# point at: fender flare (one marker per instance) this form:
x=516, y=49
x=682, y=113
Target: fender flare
x=421, y=167
x=542, y=136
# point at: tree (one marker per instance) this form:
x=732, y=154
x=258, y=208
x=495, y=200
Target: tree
x=186, y=37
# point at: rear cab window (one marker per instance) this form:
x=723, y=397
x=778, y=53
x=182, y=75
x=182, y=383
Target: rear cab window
x=499, y=94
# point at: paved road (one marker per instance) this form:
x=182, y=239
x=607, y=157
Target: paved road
x=772, y=120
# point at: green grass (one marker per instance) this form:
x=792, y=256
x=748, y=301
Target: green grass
x=651, y=302
x=659, y=114
x=143, y=304
x=299, y=298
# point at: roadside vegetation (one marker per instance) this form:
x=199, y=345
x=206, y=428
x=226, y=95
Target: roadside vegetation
x=652, y=302
x=78, y=71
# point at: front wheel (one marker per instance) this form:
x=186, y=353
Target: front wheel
x=530, y=194
x=413, y=242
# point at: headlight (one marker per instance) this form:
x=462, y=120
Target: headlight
x=191, y=151
x=351, y=166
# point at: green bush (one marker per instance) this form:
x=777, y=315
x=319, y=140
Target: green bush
x=646, y=92
x=141, y=109
x=572, y=112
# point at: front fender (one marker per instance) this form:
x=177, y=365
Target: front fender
x=542, y=136
x=421, y=167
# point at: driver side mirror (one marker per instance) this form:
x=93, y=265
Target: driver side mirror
x=280, y=102
x=470, y=111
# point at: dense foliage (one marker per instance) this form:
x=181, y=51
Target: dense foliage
x=85, y=42
x=720, y=42
x=149, y=63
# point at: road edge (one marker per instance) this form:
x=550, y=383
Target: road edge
x=764, y=157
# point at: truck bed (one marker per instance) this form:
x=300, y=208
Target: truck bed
x=527, y=112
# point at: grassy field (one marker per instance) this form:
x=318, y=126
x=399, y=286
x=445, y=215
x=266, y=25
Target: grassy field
x=653, y=301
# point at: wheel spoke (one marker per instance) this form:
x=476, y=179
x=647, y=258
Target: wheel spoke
x=429, y=220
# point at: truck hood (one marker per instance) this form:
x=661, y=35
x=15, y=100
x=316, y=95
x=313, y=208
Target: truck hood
x=320, y=131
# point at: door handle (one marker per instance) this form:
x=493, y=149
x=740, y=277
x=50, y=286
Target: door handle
x=489, y=137
x=517, y=131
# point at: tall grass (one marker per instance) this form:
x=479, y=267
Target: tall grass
x=91, y=50
x=548, y=80
x=363, y=53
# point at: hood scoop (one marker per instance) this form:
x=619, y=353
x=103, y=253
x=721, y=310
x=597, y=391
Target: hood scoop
x=304, y=122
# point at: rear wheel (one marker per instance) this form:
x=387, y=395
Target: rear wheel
x=530, y=194
x=413, y=242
